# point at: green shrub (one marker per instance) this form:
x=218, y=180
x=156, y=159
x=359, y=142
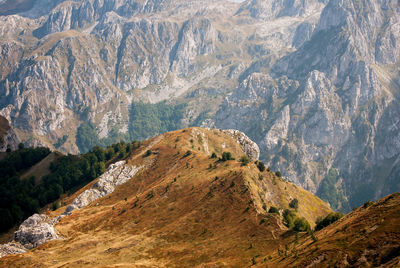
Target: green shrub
x=56, y=205
x=213, y=155
x=147, y=153
x=295, y=223
x=273, y=210
x=329, y=219
x=313, y=237
x=294, y=204
x=368, y=204
x=244, y=160
x=289, y=217
x=260, y=166
x=227, y=156
x=301, y=225
x=278, y=174
x=188, y=152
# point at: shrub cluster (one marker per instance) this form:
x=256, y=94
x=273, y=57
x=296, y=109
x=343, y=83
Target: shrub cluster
x=260, y=166
x=244, y=160
x=292, y=221
x=227, y=156
x=294, y=204
x=273, y=210
x=329, y=219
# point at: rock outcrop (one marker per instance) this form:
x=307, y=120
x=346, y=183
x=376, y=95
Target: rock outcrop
x=249, y=147
x=115, y=175
x=8, y=138
x=272, y=9
x=34, y=231
x=11, y=248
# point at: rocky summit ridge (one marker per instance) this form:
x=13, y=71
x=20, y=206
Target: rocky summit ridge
x=314, y=83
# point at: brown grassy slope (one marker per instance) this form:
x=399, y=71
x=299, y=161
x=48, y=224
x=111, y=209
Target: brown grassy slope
x=179, y=211
x=367, y=237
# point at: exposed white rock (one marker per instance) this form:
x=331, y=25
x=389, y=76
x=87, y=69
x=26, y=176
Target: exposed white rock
x=271, y=9
x=34, y=231
x=115, y=175
x=249, y=147
x=11, y=248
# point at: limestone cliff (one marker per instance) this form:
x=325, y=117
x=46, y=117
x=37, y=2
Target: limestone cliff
x=8, y=138
x=330, y=105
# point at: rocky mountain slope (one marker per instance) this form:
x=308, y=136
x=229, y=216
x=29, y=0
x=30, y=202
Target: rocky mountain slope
x=92, y=60
x=8, y=138
x=315, y=83
x=171, y=204
x=328, y=112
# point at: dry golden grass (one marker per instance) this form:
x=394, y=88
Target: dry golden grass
x=179, y=211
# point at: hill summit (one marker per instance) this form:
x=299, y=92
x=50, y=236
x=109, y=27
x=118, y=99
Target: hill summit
x=192, y=197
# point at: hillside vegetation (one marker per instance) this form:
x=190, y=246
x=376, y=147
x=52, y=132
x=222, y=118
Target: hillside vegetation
x=22, y=194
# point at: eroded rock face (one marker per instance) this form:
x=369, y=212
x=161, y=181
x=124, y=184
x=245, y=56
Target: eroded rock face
x=270, y=9
x=93, y=59
x=8, y=138
x=249, y=147
x=116, y=174
x=34, y=231
x=326, y=106
x=11, y=248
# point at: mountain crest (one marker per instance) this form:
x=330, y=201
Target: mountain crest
x=188, y=185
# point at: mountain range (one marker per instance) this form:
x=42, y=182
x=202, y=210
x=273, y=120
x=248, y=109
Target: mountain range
x=315, y=83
